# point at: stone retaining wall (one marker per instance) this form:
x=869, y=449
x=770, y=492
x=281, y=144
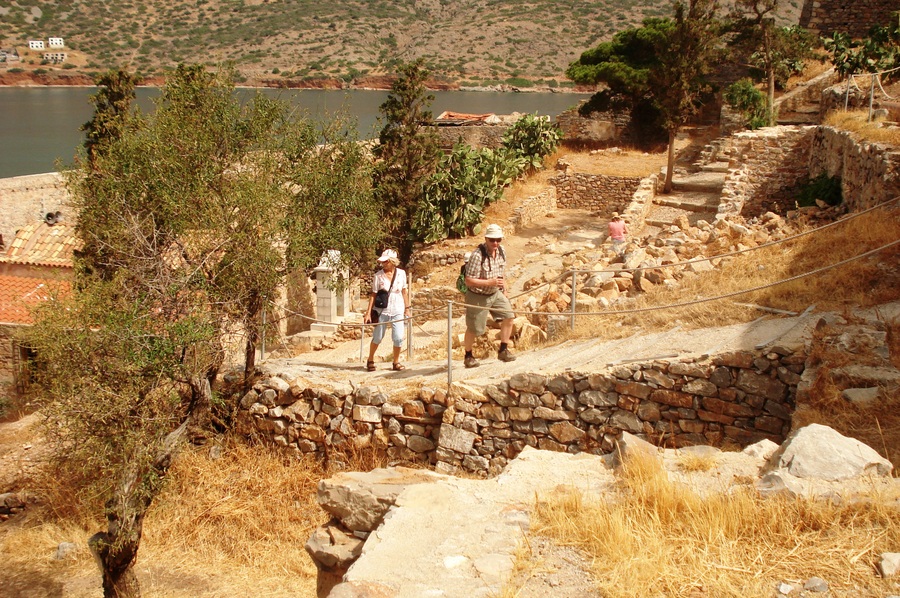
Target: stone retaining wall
x=27, y=199
x=869, y=172
x=731, y=399
x=855, y=17
x=765, y=167
x=477, y=136
x=598, y=128
x=598, y=192
x=807, y=93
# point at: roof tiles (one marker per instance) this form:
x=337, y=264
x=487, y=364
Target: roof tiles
x=40, y=244
x=20, y=294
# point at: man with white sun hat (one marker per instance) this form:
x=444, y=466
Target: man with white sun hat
x=485, y=279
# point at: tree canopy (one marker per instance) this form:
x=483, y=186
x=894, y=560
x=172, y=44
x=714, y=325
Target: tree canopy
x=190, y=219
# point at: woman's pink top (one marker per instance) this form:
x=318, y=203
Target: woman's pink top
x=617, y=230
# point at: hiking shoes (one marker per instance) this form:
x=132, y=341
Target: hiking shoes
x=506, y=355
x=470, y=362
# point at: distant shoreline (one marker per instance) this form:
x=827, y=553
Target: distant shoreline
x=28, y=79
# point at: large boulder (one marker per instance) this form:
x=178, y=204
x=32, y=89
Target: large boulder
x=820, y=452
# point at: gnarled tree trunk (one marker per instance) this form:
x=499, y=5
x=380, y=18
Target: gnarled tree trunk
x=116, y=548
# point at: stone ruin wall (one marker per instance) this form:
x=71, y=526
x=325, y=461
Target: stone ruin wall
x=869, y=172
x=597, y=192
x=731, y=399
x=477, y=136
x=599, y=128
x=7, y=375
x=27, y=199
x=854, y=17
x=808, y=93
x=767, y=166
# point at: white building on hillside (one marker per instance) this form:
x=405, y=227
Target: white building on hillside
x=36, y=44
x=55, y=57
x=56, y=42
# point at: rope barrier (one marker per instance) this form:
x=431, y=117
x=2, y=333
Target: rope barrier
x=652, y=308
x=566, y=274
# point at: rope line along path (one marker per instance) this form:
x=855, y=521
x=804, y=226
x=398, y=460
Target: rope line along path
x=418, y=314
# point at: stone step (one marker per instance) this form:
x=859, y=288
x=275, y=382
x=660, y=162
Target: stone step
x=714, y=167
x=690, y=201
x=709, y=182
x=664, y=216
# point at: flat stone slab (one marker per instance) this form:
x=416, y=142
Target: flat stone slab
x=700, y=181
x=694, y=201
x=458, y=537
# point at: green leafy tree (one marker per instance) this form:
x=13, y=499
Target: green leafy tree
x=407, y=152
x=190, y=219
x=686, y=56
x=778, y=52
x=744, y=97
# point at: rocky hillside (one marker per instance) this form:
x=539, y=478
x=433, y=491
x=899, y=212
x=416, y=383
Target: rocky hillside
x=469, y=42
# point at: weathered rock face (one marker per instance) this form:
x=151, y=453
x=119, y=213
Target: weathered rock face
x=802, y=455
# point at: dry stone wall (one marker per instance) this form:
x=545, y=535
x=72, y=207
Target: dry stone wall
x=854, y=17
x=597, y=128
x=869, y=172
x=765, y=167
x=597, y=192
x=26, y=199
x=477, y=136
x=732, y=399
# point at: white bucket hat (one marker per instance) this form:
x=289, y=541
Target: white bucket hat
x=389, y=254
x=493, y=231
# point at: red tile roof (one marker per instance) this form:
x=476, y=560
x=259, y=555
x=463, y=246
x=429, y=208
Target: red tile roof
x=20, y=294
x=40, y=244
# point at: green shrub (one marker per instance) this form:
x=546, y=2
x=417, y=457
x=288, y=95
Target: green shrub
x=465, y=182
x=744, y=97
x=532, y=138
x=823, y=187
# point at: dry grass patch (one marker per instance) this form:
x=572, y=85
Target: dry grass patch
x=626, y=162
x=662, y=539
x=232, y=526
x=856, y=122
x=692, y=462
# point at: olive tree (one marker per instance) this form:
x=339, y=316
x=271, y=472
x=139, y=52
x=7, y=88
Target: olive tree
x=189, y=220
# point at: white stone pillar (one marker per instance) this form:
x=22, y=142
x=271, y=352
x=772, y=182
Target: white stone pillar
x=331, y=306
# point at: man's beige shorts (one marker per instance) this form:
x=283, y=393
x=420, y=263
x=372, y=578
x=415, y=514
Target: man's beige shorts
x=476, y=317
